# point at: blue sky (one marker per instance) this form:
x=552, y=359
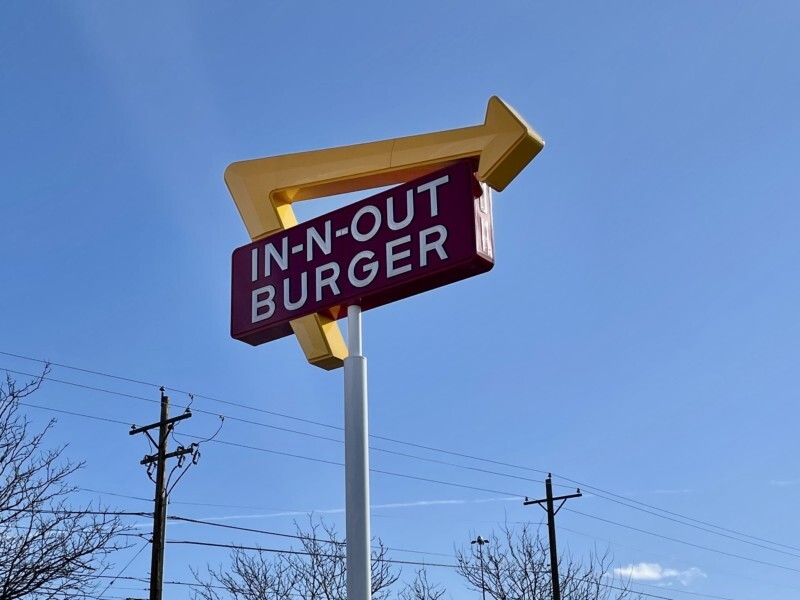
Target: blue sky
x=639, y=332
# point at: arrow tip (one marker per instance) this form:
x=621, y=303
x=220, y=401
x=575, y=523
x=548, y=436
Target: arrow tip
x=513, y=146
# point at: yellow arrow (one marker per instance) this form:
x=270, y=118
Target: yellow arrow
x=264, y=189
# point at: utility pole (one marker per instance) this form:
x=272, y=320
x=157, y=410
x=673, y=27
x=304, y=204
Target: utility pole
x=165, y=426
x=549, y=502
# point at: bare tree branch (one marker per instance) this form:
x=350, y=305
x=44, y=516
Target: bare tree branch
x=516, y=565
x=422, y=589
x=317, y=570
x=48, y=549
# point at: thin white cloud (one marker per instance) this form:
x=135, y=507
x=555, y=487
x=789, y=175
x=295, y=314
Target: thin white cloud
x=657, y=491
x=329, y=511
x=644, y=571
x=332, y=511
x=503, y=499
x=784, y=482
x=418, y=503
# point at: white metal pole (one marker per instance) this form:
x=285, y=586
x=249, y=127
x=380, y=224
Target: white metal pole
x=356, y=460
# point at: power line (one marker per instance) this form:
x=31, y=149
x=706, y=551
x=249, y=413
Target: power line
x=301, y=553
x=184, y=502
x=754, y=560
x=506, y=493
x=269, y=532
x=586, y=486
x=245, y=406
x=293, y=536
x=255, y=448
x=715, y=570
x=71, y=368
x=80, y=511
x=704, y=529
x=173, y=389
x=385, y=438
x=253, y=530
x=247, y=421
x=255, y=548
x=74, y=414
x=80, y=385
x=392, y=561
x=598, y=491
x=673, y=590
x=276, y=428
x=128, y=564
x=437, y=565
x=277, y=452
x=278, y=534
x=570, y=510
x=411, y=563
x=103, y=493
x=324, y=461
x=379, y=471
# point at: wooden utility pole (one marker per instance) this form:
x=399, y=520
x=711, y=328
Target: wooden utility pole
x=549, y=502
x=164, y=425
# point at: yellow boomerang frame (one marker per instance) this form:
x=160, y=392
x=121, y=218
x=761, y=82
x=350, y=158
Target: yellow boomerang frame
x=265, y=188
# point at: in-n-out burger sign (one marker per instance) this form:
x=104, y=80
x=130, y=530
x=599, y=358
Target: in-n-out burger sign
x=412, y=238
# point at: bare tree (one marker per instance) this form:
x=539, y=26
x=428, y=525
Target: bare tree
x=517, y=566
x=314, y=571
x=48, y=549
x=422, y=589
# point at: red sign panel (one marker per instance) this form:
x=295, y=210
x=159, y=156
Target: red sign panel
x=415, y=237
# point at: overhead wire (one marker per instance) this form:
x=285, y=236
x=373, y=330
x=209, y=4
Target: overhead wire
x=731, y=537
x=598, y=491
x=300, y=552
x=722, y=552
x=278, y=534
x=330, y=462
x=324, y=461
x=254, y=548
x=414, y=563
x=440, y=482
x=393, y=549
x=679, y=541
x=106, y=513
x=379, y=471
x=128, y=564
x=699, y=546
x=670, y=557
x=290, y=536
x=317, y=423
x=68, y=412
x=318, y=460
